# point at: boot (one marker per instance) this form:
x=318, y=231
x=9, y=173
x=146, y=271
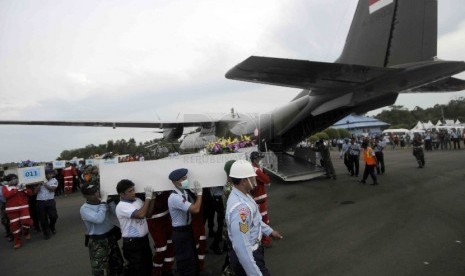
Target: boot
x=26, y=233
x=17, y=240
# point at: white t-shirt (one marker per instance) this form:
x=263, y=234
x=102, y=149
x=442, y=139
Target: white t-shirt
x=131, y=227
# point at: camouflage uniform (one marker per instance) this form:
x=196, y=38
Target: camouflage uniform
x=227, y=270
x=105, y=255
x=102, y=236
x=94, y=175
x=226, y=192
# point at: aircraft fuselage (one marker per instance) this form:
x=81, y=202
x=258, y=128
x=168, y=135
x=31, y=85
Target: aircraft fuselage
x=289, y=124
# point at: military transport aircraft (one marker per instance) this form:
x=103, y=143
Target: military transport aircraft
x=390, y=49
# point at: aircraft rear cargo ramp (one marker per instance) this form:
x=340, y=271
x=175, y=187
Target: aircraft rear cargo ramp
x=298, y=167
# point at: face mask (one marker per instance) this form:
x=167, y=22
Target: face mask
x=185, y=184
x=260, y=163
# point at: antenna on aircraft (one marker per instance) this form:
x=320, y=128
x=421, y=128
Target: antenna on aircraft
x=234, y=114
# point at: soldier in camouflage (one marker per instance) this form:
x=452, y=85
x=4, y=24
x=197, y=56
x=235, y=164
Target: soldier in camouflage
x=227, y=270
x=100, y=260
x=91, y=174
x=102, y=235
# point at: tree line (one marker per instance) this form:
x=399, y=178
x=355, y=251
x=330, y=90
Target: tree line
x=152, y=149
x=400, y=117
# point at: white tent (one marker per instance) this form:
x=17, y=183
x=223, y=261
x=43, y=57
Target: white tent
x=439, y=123
x=457, y=122
x=419, y=125
x=429, y=125
x=449, y=123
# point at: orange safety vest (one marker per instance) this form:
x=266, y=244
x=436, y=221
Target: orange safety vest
x=368, y=156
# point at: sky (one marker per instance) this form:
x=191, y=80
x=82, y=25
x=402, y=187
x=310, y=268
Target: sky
x=157, y=60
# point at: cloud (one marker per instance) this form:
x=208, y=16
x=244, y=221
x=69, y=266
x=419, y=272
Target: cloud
x=450, y=45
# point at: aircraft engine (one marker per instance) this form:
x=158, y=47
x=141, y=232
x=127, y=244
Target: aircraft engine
x=173, y=134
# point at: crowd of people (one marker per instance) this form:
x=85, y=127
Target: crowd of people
x=176, y=220
x=435, y=139
x=371, y=151
x=27, y=207
x=32, y=207
x=443, y=139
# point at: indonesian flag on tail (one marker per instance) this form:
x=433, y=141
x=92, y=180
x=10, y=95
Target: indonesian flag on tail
x=378, y=4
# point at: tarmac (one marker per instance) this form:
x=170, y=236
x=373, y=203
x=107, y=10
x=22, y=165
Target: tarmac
x=411, y=224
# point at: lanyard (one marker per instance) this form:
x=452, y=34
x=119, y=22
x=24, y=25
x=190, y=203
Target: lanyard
x=186, y=197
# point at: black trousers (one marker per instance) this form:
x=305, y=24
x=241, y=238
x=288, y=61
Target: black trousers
x=48, y=215
x=419, y=156
x=259, y=257
x=138, y=254
x=4, y=219
x=428, y=144
x=185, y=253
x=370, y=169
x=354, y=164
x=379, y=162
x=456, y=142
x=347, y=161
x=33, y=212
x=219, y=209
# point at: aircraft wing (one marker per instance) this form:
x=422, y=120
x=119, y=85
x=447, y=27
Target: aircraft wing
x=304, y=74
x=193, y=123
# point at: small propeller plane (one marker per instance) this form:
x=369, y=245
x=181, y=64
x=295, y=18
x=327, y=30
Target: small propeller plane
x=391, y=48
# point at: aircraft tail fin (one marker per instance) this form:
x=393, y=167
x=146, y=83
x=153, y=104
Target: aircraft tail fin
x=390, y=32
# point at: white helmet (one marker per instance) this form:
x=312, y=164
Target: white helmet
x=242, y=169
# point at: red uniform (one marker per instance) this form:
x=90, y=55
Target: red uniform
x=261, y=198
x=200, y=238
x=160, y=229
x=17, y=210
x=69, y=173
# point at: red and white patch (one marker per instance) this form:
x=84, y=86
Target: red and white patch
x=243, y=213
x=375, y=5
